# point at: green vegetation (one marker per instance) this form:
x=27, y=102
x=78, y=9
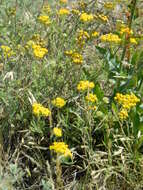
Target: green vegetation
x=71, y=95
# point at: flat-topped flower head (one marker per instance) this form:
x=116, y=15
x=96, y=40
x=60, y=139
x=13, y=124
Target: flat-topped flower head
x=39, y=52
x=85, y=17
x=109, y=5
x=44, y=19
x=59, y=102
x=77, y=58
x=57, y=132
x=127, y=101
x=103, y=18
x=123, y=114
x=85, y=85
x=95, y=34
x=39, y=110
x=133, y=41
x=61, y=148
x=64, y=11
x=125, y=30
x=46, y=8
x=91, y=97
x=112, y=38
x=7, y=51
x=64, y=1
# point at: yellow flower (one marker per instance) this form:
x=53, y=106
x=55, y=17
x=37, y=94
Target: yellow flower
x=109, y=5
x=133, y=41
x=103, y=18
x=92, y=108
x=63, y=1
x=84, y=17
x=57, y=132
x=75, y=11
x=110, y=38
x=127, y=101
x=91, y=97
x=7, y=51
x=46, y=8
x=125, y=30
x=59, y=102
x=85, y=85
x=44, y=19
x=95, y=34
x=123, y=114
x=77, y=58
x=68, y=52
x=82, y=37
x=64, y=11
x=38, y=51
x=38, y=110
x=61, y=148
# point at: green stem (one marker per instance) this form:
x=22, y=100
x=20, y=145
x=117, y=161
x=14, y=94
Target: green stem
x=133, y=7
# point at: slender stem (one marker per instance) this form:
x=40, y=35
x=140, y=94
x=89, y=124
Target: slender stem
x=130, y=20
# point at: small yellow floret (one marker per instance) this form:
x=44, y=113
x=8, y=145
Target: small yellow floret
x=91, y=97
x=38, y=110
x=103, y=18
x=123, y=114
x=63, y=1
x=95, y=34
x=44, y=19
x=84, y=17
x=61, y=148
x=112, y=38
x=57, y=131
x=84, y=85
x=133, y=41
x=59, y=102
x=64, y=11
x=38, y=51
x=7, y=51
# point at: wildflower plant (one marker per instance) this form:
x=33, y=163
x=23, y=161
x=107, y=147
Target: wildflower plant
x=71, y=92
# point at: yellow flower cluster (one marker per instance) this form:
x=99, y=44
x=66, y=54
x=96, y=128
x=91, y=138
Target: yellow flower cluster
x=91, y=97
x=36, y=38
x=44, y=19
x=92, y=108
x=133, y=41
x=68, y=52
x=75, y=11
x=64, y=11
x=75, y=56
x=103, y=17
x=46, y=9
x=95, y=34
x=112, y=38
x=85, y=85
x=63, y=1
x=84, y=17
x=38, y=110
x=57, y=131
x=125, y=30
x=59, y=102
x=82, y=37
x=7, y=51
x=61, y=148
x=127, y=101
x=109, y=5
x=39, y=51
x=123, y=114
